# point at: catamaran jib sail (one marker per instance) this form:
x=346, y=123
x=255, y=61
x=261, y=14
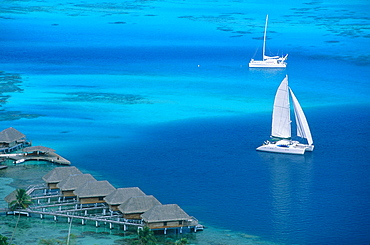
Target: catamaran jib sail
x=303, y=130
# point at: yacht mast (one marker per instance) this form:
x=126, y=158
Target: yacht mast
x=264, y=39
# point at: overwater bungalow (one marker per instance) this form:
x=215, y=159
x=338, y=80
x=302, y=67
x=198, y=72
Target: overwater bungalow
x=169, y=216
x=53, y=177
x=93, y=191
x=11, y=140
x=72, y=182
x=37, y=150
x=121, y=195
x=135, y=206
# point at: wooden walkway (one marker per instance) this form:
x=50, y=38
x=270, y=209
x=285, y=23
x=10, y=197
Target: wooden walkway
x=83, y=217
x=50, y=157
x=71, y=209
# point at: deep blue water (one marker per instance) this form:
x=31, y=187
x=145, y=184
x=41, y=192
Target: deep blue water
x=157, y=94
x=210, y=167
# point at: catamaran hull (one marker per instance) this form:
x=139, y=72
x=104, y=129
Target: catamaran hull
x=295, y=148
x=277, y=149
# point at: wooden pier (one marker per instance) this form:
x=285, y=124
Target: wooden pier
x=47, y=204
x=22, y=157
x=83, y=217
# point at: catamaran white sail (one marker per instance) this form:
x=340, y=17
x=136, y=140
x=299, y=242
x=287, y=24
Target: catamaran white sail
x=281, y=141
x=268, y=61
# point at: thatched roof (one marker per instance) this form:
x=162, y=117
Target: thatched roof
x=58, y=174
x=72, y=182
x=121, y=195
x=94, y=189
x=10, y=135
x=164, y=213
x=38, y=148
x=11, y=197
x=138, y=204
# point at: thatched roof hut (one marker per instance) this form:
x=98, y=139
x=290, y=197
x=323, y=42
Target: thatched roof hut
x=39, y=148
x=121, y=195
x=162, y=213
x=11, y=139
x=166, y=216
x=93, y=191
x=53, y=177
x=137, y=205
x=72, y=182
x=10, y=135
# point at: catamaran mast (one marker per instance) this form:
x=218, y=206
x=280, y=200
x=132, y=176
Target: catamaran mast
x=264, y=39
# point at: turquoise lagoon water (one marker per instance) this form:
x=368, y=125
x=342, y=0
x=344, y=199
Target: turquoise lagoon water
x=158, y=94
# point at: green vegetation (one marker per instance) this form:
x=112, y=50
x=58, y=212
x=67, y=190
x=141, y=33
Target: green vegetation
x=146, y=237
x=182, y=241
x=4, y=240
x=22, y=201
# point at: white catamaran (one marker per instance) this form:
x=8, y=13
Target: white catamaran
x=281, y=141
x=268, y=61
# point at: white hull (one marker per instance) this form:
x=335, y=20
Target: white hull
x=281, y=125
x=294, y=148
x=266, y=64
x=268, y=61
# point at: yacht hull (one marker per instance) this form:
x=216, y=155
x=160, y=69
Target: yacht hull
x=264, y=64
